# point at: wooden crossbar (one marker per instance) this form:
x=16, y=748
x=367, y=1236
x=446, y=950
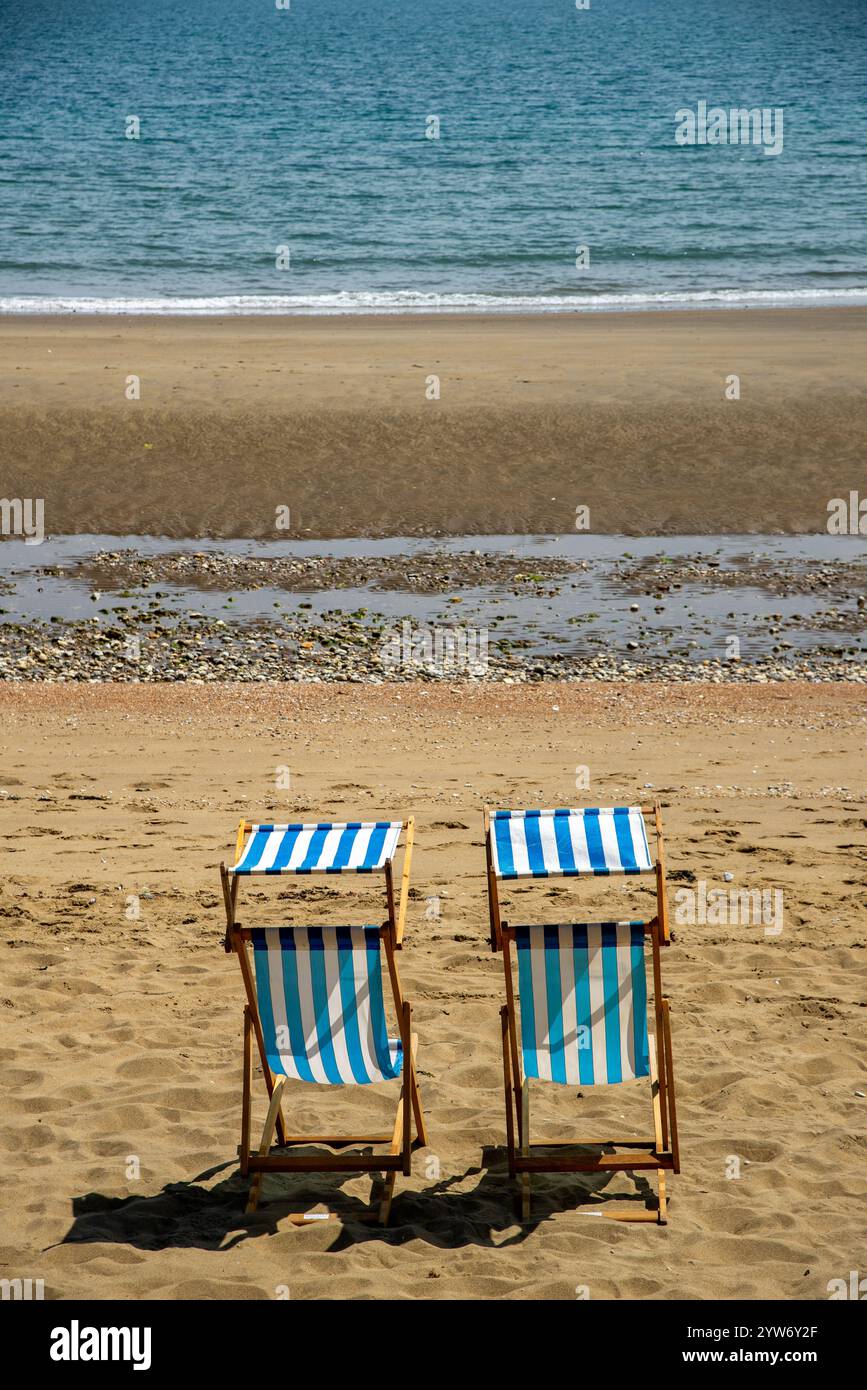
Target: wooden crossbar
x=527, y=1163
x=327, y=1163
x=334, y=1141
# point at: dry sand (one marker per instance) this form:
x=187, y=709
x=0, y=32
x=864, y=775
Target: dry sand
x=625, y=414
x=122, y=1037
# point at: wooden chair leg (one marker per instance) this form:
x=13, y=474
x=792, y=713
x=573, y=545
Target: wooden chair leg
x=653, y=1043
x=420, y=1127
x=390, y=1177
x=400, y=1139
x=387, y=1197
x=246, y=1089
x=654, y=1093
x=662, y=1217
x=267, y=1136
x=525, y=1148
x=507, y=1087
x=406, y=1092
x=669, y=1069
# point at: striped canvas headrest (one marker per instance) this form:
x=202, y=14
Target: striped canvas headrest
x=326, y=847
x=589, y=840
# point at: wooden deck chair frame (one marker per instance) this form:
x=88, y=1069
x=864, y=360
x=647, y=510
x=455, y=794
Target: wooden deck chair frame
x=409, y=1108
x=661, y=1151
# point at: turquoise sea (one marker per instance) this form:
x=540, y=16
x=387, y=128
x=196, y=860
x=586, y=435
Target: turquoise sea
x=307, y=128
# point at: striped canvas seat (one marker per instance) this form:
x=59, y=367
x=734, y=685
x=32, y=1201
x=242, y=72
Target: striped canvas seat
x=583, y=998
x=539, y=844
x=319, y=991
x=325, y=848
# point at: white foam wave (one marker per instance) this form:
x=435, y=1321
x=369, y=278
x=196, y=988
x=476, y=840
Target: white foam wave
x=411, y=301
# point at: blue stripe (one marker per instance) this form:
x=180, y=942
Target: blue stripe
x=263, y=999
x=533, y=838
x=562, y=823
x=624, y=840
x=284, y=850
x=377, y=1011
x=374, y=846
x=344, y=849
x=320, y=1004
x=610, y=997
x=255, y=849
x=314, y=849
x=639, y=1003
x=525, y=993
x=291, y=995
x=595, y=848
x=349, y=1004
x=582, y=1005
x=503, y=837
x=554, y=995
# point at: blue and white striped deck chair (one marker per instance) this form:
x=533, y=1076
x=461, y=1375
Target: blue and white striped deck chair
x=315, y=1002
x=319, y=1011
x=582, y=988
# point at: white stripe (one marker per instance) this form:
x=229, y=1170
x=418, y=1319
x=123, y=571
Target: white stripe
x=540, y=1006
x=359, y=846
x=299, y=849
x=518, y=839
x=610, y=847
x=361, y=982
x=391, y=839
x=578, y=835
x=596, y=981
x=550, y=857
x=639, y=838
x=329, y=847
x=308, y=1012
x=272, y=844
x=624, y=1000
x=570, y=1007
x=336, y=1024
x=278, y=1003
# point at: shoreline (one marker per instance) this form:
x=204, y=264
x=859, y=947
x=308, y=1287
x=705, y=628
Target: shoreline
x=262, y=306
x=422, y=316
x=537, y=415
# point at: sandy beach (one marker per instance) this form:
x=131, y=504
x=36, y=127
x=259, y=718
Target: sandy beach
x=625, y=414
x=121, y=1035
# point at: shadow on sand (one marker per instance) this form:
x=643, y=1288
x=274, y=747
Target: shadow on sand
x=448, y=1213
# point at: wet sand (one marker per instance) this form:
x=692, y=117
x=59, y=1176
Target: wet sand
x=120, y=1036
x=536, y=416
